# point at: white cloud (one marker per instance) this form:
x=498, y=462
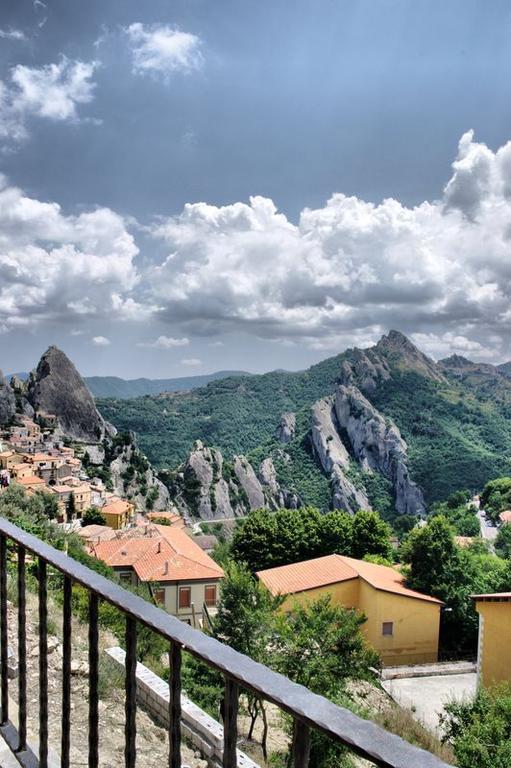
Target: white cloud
x=12, y=34
x=165, y=342
x=60, y=268
x=191, y=361
x=350, y=269
x=162, y=49
x=101, y=341
x=51, y=92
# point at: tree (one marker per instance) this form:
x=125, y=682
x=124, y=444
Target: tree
x=496, y=497
x=70, y=507
x=336, y=533
x=252, y=541
x=371, y=535
x=93, y=516
x=320, y=646
x=480, y=728
x=503, y=541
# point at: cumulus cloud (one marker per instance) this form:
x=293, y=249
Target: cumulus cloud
x=52, y=92
x=351, y=268
x=61, y=268
x=165, y=342
x=101, y=341
x=161, y=49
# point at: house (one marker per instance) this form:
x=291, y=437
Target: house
x=118, y=513
x=402, y=625
x=50, y=468
x=183, y=579
x=81, y=497
x=94, y=534
x=32, y=482
x=63, y=492
x=8, y=459
x=493, y=662
x=170, y=517
x=21, y=470
x=505, y=517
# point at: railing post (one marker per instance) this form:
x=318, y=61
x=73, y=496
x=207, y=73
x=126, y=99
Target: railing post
x=93, y=681
x=301, y=744
x=22, y=652
x=130, y=728
x=43, y=664
x=230, y=716
x=4, y=639
x=66, y=673
x=175, y=706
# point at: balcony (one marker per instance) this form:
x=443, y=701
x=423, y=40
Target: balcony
x=308, y=710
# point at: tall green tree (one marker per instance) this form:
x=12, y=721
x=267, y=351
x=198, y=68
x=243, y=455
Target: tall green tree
x=503, y=541
x=371, y=535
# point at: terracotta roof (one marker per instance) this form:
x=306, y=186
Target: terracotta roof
x=161, y=558
x=496, y=597
x=30, y=480
x=117, y=507
x=99, y=532
x=505, y=516
x=332, y=569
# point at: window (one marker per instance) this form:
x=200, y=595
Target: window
x=185, y=597
x=125, y=578
x=387, y=628
x=159, y=596
x=210, y=595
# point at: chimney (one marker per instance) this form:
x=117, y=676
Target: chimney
x=158, y=548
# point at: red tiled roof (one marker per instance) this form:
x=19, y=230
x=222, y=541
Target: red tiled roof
x=332, y=569
x=160, y=558
x=30, y=480
x=505, y=516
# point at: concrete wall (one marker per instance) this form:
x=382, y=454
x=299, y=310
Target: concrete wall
x=494, y=665
x=197, y=727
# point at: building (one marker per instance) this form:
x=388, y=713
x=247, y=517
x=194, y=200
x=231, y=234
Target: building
x=183, y=579
x=170, y=517
x=505, y=517
x=402, y=625
x=8, y=459
x=81, y=498
x=118, y=513
x=493, y=659
x=32, y=483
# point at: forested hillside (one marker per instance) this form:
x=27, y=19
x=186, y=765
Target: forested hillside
x=454, y=416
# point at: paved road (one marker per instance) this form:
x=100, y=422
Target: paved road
x=488, y=530
x=426, y=696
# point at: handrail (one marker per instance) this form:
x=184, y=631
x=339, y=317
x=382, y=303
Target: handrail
x=363, y=737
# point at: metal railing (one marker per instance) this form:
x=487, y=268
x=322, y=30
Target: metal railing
x=308, y=710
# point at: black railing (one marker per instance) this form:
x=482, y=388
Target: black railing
x=306, y=708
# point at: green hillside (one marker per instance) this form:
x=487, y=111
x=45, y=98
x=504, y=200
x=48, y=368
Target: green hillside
x=456, y=420
x=113, y=386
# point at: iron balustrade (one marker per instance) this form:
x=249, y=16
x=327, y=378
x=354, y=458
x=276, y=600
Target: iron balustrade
x=309, y=710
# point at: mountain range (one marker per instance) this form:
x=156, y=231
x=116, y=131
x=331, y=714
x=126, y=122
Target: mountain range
x=113, y=386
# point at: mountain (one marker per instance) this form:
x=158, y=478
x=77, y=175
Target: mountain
x=385, y=426
x=112, y=386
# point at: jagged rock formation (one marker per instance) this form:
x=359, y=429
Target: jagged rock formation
x=334, y=457
x=210, y=488
x=367, y=368
x=56, y=388
x=7, y=401
x=133, y=477
x=286, y=428
x=378, y=446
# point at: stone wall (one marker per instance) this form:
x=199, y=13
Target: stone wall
x=197, y=727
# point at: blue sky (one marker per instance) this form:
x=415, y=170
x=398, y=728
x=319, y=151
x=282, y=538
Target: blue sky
x=134, y=136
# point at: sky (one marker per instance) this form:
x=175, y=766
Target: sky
x=191, y=186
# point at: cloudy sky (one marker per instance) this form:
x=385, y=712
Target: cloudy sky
x=191, y=186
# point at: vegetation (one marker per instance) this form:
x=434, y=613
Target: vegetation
x=267, y=539
x=460, y=512
x=480, y=729
x=438, y=567
x=93, y=516
x=496, y=497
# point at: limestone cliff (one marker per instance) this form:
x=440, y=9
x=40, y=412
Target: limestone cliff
x=133, y=477
x=7, y=402
x=286, y=428
x=208, y=487
x=56, y=387
x=377, y=444
x=334, y=457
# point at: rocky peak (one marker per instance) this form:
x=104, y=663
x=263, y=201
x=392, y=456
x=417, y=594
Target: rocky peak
x=401, y=353
x=286, y=428
x=7, y=401
x=56, y=388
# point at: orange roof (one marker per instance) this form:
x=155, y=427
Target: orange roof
x=332, y=569
x=45, y=457
x=505, y=516
x=30, y=480
x=184, y=545
x=117, y=507
x=158, y=559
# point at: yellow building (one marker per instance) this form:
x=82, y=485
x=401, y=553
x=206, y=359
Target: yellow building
x=118, y=513
x=493, y=656
x=402, y=625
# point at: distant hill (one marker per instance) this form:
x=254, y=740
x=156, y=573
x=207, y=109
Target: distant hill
x=123, y=389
